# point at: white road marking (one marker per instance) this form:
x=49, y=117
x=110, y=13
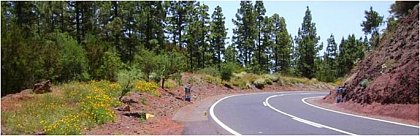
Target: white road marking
x=304, y=101
x=227, y=128
x=264, y=104
x=230, y=130
x=303, y=120
x=308, y=122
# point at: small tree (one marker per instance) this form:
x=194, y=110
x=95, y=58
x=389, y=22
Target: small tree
x=72, y=59
x=227, y=71
x=169, y=64
x=110, y=65
x=371, y=25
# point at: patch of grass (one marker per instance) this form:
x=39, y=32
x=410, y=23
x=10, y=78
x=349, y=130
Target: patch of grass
x=211, y=79
x=70, y=110
x=34, y=113
x=170, y=84
x=209, y=71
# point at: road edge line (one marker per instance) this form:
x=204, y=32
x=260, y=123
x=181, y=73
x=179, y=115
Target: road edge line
x=303, y=120
x=220, y=123
x=387, y=121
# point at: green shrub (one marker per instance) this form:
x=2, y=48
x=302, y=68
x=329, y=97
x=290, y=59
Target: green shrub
x=110, y=66
x=271, y=77
x=259, y=83
x=170, y=84
x=268, y=81
x=126, y=79
x=72, y=58
x=364, y=83
x=227, y=71
x=239, y=82
x=154, y=77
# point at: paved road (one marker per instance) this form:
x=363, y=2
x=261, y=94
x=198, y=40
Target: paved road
x=286, y=113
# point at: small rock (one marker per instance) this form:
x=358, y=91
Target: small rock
x=124, y=108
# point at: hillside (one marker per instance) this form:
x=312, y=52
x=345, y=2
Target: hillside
x=388, y=76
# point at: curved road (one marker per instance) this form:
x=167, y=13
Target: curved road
x=287, y=113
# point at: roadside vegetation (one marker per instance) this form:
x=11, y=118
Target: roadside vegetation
x=95, y=53
x=70, y=109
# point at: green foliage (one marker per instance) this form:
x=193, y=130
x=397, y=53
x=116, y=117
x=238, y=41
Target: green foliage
x=146, y=61
x=351, y=50
x=126, y=79
x=226, y=71
x=72, y=58
x=95, y=50
x=401, y=8
x=76, y=107
x=282, y=47
x=218, y=34
x=245, y=33
x=307, y=46
x=110, y=66
x=372, y=22
x=259, y=83
x=271, y=77
x=364, y=83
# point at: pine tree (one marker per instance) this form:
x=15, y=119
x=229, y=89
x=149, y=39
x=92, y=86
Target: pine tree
x=245, y=33
x=329, y=64
x=259, y=16
x=197, y=34
x=307, y=46
x=282, y=47
x=218, y=35
x=371, y=25
x=178, y=21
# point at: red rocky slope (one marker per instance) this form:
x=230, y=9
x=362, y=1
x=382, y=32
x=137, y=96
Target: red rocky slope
x=392, y=70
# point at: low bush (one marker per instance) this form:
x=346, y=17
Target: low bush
x=227, y=71
x=242, y=84
x=268, y=81
x=364, y=83
x=170, y=84
x=272, y=77
x=259, y=83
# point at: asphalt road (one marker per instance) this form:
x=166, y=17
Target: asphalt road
x=287, y=114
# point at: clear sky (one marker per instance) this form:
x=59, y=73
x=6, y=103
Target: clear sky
x=339, y=18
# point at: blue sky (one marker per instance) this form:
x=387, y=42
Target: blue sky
x=339, y=18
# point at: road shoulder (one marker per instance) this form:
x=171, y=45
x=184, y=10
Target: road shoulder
x=365, y=110
x=196, y=118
